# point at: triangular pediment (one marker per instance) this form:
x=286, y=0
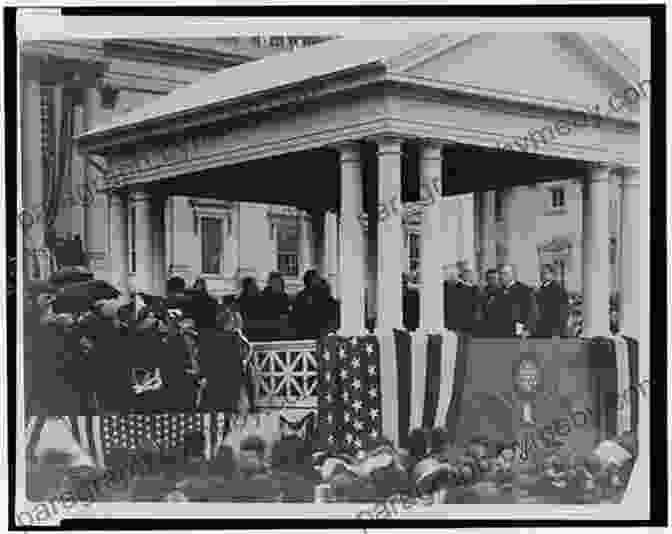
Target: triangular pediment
x=552, y=67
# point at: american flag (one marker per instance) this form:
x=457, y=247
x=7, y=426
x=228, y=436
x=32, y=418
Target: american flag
x=363, y=395
x=349, y=408
x=99, y=435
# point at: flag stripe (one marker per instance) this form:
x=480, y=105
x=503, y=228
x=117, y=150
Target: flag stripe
x=34, y=436
x=389, y=386
x=449, y=352
x=75, y=428
x=98, y=452
x=434, y=379
x=460, y=374
x=402, y=341
x=603, y=369
x=90, y=447
x=418, y=359
x=207, y=419
x=623, y=420
x=635, y=381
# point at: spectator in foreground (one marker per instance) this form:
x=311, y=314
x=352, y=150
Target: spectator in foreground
x=313, y=313
x=221, y=355
x=553, y=304
x=205, y=306
x=248, y=302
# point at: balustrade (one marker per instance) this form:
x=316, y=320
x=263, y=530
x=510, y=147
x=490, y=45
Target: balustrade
x=285, y=374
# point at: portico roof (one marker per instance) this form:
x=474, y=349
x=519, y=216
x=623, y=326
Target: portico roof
x=487, y=90
x=263, y=75
x=324, y=61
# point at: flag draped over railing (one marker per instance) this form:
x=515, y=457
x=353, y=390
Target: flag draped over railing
x=372, y=386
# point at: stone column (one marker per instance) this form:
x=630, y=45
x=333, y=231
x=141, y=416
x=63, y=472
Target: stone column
x=117, y=247
x=431, y=272
x=95, y=210
x=158, y=246
x=630, y=257
x=465, y=235
x=506, y=225
x=77, y=185
x=331, y=252
x=352, y=250
x=144, y=263
x=317, y=231
x=390, y=236
x=305, y=247
x=595, y=276
x=486, y=233
x=32, y=178
x=168, y=223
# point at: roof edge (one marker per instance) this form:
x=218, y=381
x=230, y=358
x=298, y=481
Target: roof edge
x=99, y=140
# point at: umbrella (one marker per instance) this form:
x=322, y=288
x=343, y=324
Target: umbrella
x=80, y=296
x=69, y=275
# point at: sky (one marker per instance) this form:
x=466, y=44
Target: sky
x=631, y=36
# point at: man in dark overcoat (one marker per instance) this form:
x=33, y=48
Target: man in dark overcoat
x=513, y=309
x=553, y=304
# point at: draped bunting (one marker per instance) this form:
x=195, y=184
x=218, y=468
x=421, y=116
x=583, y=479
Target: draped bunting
x=57, y=145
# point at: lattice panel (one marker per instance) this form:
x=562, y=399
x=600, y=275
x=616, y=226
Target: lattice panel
x=285, y=374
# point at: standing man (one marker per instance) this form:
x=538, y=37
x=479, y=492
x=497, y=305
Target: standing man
x=553, y=304
x=513, y=310
x=461, y=300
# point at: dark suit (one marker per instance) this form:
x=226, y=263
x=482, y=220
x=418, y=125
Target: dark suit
x=460, y=306
x=510, y=305
x=486, y=297
x=553, y=305
x=411, y=308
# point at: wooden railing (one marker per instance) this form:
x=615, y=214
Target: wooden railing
x=285, y=374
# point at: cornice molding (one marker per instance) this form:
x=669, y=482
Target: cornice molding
x=173, y=54
x=288, y=97
x=187, y=155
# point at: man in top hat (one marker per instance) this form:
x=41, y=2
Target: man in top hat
x=553, y=304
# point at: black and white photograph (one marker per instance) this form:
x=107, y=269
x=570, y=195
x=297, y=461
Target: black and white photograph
x=364, y=268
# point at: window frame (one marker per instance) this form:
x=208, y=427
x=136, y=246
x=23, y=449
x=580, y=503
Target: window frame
x=222, y=233
x=279, y=220
x=225, y=212
x=560, y=190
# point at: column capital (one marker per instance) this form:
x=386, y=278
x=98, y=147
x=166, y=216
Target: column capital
x=431, y=149
x=388, y=144
x=139, y=196
x=630, y=176
x=349, y=151
x=599, y=173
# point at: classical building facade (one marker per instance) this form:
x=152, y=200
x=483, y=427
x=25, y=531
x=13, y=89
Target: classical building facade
x=70, y=87
x=74, y=87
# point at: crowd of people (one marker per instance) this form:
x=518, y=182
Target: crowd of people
x=272, y=314
x=183, y=351
x=501, y=307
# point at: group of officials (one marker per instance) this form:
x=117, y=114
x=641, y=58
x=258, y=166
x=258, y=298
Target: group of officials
x=502, y=307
